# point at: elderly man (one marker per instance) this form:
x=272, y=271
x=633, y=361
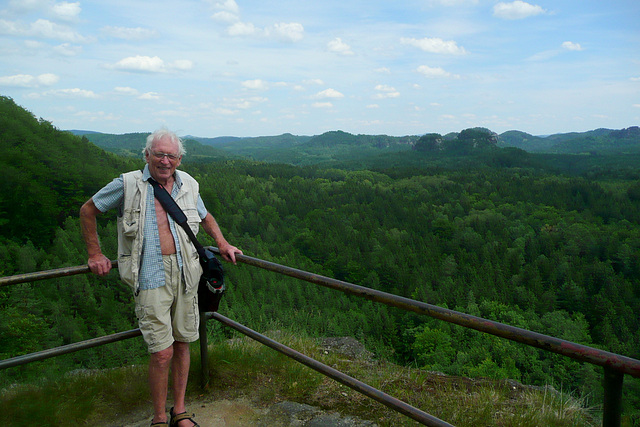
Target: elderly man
x=157, y=259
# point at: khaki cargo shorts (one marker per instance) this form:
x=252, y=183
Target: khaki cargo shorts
x=167, y=314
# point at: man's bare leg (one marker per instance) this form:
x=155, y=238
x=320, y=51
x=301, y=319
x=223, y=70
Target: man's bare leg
x=180, y=375
x=159, y=364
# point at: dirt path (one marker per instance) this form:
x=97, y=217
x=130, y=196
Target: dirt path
x=243, y=413
x=222, y=413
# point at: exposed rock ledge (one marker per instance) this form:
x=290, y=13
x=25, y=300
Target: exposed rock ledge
x=244, y=413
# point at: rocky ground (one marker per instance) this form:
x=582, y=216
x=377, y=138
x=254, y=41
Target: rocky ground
x=244, y=413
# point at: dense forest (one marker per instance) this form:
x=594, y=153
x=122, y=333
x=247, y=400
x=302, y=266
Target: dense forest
x=547, y=242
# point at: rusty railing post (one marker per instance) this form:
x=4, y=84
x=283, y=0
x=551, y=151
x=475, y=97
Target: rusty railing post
x=204, y=351
x=612, y=398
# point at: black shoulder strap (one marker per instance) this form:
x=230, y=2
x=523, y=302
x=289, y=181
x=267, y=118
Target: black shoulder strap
x=174, y=210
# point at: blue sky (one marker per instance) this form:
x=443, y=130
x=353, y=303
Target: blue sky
x=251, y=68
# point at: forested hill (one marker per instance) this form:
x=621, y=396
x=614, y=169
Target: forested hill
x=132, y=144
x=342, y=149
x=47, y=174
x=599, y=141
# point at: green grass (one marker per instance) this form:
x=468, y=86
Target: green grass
x=244, y=368
x=75, y=398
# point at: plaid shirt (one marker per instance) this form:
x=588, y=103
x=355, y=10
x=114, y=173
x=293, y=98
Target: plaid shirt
x=151, y=268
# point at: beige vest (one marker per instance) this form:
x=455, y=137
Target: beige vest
x=131, y=229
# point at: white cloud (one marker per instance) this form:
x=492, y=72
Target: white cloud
x=47, y=79
x=224, y=16
x=66, y=11
x=286, y=32
x=141, y=63
x=242, y=29
x=329, y=93
x=338, y=46
x=149, y=96
x=383, y=70
x=148, y=64
x=229, y=6
x=42, y=28
x=571, y=46
x=516, y=10
x=47, y=29
x=313, y=82
x=435, y=72
x=291, y=32
x=27, y=80
x=74, y=93
x=385, y=91
x=125, y=90
x=181, y=64
x=67, y=49
x=60, y=11
x=26, y=5
x=255, y=84
x=322, y=105
x=125, y=33
x=11, y=28
x=32, y=44
x=435, y=45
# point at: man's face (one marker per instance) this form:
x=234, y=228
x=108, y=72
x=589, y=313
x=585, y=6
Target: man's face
x=161, y=165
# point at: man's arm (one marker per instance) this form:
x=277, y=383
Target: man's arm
x=211, y=227
x=98, y=262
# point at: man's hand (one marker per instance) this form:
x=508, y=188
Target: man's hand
x=99, y=264
x=229, y=252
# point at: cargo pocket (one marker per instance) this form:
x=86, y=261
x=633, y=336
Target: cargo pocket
x=126, y=270
x=128, y=227
x=193, y=219
x=146, y=326
x=130, y=222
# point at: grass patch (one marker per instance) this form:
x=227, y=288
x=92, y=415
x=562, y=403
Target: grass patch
x=243, y=368
x=75, y=398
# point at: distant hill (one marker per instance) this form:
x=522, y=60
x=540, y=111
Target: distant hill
x=81, y=132
x=286, y=148
x=339, y=146
x=599, y=141
x=132, y=144
x=213, y=141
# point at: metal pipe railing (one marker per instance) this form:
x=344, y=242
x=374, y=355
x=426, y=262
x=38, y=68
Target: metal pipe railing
x=612, y=361
x=49, y=274
x=70, y=348
x=387, y=400
x=615, y=365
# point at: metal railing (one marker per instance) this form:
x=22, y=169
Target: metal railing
x=615, y=365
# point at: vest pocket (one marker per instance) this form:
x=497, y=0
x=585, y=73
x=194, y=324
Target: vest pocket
x=193, y=219
x=130, y=222
x=125, y=269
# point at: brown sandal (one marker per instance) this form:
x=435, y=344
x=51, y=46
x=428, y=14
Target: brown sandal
x=176, y=418
x=160, y=424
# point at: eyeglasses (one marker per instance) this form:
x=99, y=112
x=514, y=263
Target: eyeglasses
x=159, y=155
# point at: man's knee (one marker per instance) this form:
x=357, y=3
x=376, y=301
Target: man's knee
x=162, y=357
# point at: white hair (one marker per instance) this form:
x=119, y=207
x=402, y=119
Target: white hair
x=161, y=133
